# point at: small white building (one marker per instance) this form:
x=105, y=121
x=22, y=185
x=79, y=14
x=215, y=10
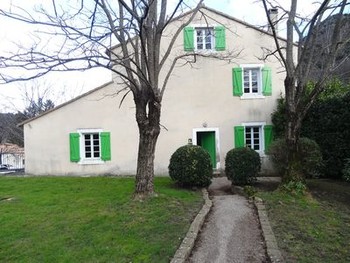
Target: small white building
x=219, y=105
x=11, y=156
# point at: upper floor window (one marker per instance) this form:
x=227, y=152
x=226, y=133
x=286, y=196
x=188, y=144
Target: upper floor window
x=252, y=81
x=204, y=38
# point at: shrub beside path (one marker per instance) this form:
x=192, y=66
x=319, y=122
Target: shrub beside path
x=232, y=231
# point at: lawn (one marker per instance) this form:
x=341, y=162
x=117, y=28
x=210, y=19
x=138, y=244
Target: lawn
x=62, y=219
x=312, y=228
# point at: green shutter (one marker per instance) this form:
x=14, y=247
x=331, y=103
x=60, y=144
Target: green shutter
x=189, y=38
x=105, y=146
x=239, y=136
x=74, y=147
x=268, y=136
x=267, y=81
x=237, y=81
x=220, y=39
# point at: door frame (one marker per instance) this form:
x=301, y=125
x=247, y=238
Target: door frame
x=217, y=141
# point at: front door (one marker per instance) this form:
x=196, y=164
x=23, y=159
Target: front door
x=206, y=139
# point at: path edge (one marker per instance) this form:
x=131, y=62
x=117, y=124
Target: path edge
x=187, y=244
x=272, y=249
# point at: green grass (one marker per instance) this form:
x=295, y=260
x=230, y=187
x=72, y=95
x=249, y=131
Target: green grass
x=312, y=228
x=91, y=220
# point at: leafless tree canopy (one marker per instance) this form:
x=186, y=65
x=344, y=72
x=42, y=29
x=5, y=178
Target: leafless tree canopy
x=310, y=56
x=122, y=36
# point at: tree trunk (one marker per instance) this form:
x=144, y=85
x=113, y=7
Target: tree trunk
x=294, y=118
x=149, y=130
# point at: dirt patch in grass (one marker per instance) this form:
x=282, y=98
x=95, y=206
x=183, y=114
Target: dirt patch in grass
x=330, y=191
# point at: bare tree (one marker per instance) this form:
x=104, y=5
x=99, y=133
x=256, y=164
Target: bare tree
x=132, y=33
x=306, y=64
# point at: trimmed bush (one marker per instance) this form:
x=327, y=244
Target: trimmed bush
x=242, y=166
x=310, y=156
x=190, y=166
x=328, y=123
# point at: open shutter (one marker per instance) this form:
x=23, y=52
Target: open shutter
x=268, y=136
x=239, y=136
x=220, y=39
x=105, y=146
x=74, y=147
x=237, y=81
x=267, y=81
x=189, y=38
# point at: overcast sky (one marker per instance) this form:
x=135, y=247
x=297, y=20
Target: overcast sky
x=74, y=83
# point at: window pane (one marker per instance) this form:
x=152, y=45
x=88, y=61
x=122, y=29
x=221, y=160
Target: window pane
x=96, y=154
x=88, y=154
x=255, y=87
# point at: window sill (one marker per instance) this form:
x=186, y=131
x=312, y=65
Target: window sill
x=87, y=161
x=252, y=97
x=204, y=51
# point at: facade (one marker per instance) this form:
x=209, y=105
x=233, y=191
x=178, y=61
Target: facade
x=217, y=104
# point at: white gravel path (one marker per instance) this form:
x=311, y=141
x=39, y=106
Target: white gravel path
x=231, y=232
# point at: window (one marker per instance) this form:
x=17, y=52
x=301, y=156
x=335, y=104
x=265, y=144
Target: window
x=253, y=137
x=256, y=136
x=252, y=81
x=204, y=38
x=91, y=145
x=88, y=146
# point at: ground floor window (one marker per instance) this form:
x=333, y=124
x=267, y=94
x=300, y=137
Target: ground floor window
x=89, y=146
x=255, y=135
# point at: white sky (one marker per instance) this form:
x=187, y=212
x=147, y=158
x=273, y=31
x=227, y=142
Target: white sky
x=75, y=83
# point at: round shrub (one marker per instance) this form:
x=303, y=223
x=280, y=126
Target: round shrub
x=242, y=166
x=190, y=166
x=309, y=154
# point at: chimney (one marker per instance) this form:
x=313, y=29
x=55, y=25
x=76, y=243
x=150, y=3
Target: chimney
x=273, y=14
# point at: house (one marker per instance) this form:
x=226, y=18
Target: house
x=217, y=104
x=11, y=157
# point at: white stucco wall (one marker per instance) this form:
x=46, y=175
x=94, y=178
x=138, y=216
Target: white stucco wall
x=194, y=96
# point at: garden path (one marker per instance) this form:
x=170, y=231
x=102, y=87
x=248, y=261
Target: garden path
x=231, y=232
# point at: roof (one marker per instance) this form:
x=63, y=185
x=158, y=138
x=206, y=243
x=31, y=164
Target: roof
x=66, y=103
x=238, y=21
x=224, y=15
x=11, y=148
x=115, y=46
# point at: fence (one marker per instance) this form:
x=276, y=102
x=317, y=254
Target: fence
x=11, y=157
